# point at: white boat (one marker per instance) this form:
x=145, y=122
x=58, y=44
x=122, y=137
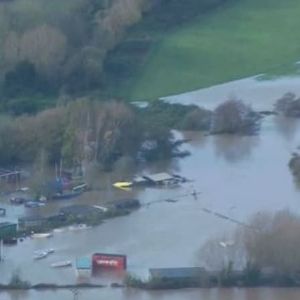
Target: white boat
x=62, y=264
x=40, y=255
x=41, y=235
x=48, y=251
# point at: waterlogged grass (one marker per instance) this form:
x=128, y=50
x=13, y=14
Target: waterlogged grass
x=243, y=38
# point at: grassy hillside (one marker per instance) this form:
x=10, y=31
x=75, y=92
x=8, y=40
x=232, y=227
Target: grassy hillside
x=240, y=39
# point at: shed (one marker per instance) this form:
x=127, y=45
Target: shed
x=8, y=230
x=102, y=261
x=83, y=263
x=159, y=178
x=193, y=273
x=9, y=175
x=83, y=266
x=139, y=180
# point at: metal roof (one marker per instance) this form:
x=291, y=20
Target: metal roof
x=139, y=179
x=177, y=273
x=159, y=177
x=4, y=224
x=83, y=263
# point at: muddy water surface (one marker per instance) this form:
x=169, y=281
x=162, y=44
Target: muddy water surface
x=237, y=177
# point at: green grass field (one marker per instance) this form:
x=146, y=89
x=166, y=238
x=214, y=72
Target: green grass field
x=243, y=38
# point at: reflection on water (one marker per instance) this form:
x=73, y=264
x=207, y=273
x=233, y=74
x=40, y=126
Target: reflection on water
x=195, y=138
x=189, y=294
x=287, y=127
x=235, y=148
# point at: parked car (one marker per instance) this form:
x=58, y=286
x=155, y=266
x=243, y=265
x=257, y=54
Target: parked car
x=17, y=200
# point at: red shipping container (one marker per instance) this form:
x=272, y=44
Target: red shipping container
x=109, y=261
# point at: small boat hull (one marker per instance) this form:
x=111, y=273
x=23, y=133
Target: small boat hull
x=40, y=255
x=41, y=235
x=62, y=264
x=122, y=185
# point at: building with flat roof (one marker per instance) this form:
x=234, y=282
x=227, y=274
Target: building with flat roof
x=8, y=230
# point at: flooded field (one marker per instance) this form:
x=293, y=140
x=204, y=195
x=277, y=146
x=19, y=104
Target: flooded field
x=261, y=94
x=236, y=176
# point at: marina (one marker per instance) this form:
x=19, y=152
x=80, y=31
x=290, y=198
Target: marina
x=191, y=213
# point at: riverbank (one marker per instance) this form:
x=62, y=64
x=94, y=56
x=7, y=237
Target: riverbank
x=226, y=44
x=215, y=280
x=50, y=286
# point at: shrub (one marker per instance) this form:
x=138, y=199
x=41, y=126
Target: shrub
x=288, y=105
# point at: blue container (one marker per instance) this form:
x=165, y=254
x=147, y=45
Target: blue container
x=83, y=263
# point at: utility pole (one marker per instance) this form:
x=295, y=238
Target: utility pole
x=195, y=194
x=1, y=249
x=75, y=293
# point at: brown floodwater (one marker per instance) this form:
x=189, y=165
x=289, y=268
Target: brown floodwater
x=236, y=176
x=189, y=294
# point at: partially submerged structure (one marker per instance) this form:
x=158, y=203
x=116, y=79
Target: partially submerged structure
x=178, y=277
x=158, y=179
x=177, y=273
x=105, y=261
x=8, y=230
x=83, y=266
x=9, y=175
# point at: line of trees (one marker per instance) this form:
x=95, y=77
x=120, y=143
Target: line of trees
x=47, y=48
x=51, y=48
x=86, y=131
x=82, y=132
x=267, y=250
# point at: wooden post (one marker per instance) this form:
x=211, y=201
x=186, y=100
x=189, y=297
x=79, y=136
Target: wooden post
x=1, y=249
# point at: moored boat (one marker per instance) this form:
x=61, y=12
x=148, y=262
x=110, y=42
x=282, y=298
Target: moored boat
x=122, y=185
x=65, y=196
x=40, y=255
x=41, y=235
x=34, y=204
x=48, y=251
x=78, y=227
x=62, y=264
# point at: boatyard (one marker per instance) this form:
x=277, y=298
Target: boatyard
x=149, y=234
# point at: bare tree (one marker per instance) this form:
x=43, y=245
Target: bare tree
x=275, y=242
x=11, y=49
x=288, y=105
x=234, y=117
x=45, y=47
